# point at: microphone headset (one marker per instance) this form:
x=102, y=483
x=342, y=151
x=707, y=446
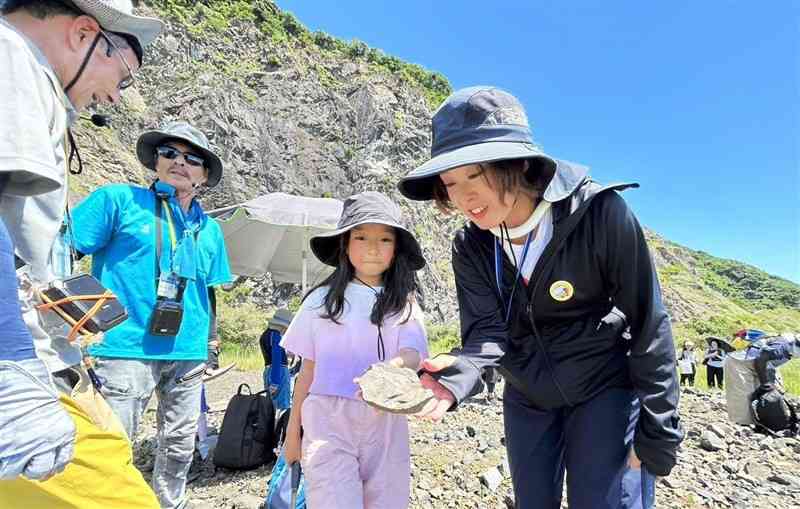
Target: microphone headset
x=99, y=120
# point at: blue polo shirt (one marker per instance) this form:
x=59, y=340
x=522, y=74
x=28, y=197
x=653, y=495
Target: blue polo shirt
x=116, y=225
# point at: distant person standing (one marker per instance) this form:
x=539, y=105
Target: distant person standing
x=687, y=363
x=713, y=360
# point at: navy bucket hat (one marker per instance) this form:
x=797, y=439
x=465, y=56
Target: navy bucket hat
x=363, y=208
x=475, y=125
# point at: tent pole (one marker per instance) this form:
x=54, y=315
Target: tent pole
x=305, y=253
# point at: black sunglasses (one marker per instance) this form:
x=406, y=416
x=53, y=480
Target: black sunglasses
x=168, y=152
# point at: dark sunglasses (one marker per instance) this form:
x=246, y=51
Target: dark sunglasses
x=168, y=152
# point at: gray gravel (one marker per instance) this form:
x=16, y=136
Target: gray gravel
x=461, y=462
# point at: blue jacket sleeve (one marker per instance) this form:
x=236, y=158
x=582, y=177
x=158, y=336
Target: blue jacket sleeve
x=16, y=343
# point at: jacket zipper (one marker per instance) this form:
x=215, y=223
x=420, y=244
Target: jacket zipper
x=541, y=346
x=545, y=265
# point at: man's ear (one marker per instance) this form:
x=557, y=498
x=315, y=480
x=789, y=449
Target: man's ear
x=81, y=32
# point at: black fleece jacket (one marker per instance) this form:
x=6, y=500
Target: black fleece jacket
x=613, y=331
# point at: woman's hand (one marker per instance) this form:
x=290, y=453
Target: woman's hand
x=443, y=399
x=292, y=449
x=633, y=460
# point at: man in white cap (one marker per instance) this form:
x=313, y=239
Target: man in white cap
x=56, y=59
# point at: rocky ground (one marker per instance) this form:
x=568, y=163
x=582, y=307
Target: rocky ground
x=461, y=461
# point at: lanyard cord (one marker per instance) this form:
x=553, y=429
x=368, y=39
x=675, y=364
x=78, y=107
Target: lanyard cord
x=498, y=265
x=67, y=228
x=381, y=347
x=73, y=152
x=172, y=237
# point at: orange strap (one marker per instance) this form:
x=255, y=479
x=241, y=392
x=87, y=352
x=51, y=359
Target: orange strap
x=77, y=326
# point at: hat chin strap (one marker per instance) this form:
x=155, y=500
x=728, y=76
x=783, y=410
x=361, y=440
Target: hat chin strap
x=525, y=228
x=84, y=64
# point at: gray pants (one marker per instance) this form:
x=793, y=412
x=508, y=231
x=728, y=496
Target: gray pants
x=128, y=385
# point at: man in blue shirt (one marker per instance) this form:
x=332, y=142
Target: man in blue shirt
x=159, y=253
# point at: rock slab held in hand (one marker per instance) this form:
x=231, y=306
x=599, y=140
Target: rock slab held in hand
x=393, y=389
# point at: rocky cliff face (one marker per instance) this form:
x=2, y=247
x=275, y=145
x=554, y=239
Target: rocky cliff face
x=305, y=113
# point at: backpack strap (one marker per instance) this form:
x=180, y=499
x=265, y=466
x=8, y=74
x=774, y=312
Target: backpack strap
x=793, y=411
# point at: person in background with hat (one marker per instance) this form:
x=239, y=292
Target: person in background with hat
x=687, y=363
x=556, y=286
x=56, y=59
x=157, y=251
x=714, y=359
x=366, y=312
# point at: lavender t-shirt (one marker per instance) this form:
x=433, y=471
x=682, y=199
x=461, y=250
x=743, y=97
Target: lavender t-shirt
x=345, y=350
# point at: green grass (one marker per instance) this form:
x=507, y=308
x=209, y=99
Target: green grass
x=791, y=376
x=789, y=371
x=443, y=338
x=247, y=358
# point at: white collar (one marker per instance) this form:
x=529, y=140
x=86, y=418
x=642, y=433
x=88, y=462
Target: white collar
x=528, y=226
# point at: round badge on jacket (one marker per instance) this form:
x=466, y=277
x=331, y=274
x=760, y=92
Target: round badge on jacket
x=562, y=291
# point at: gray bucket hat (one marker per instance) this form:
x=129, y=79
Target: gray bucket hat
x=117, y=16
x=475, y=125
x=363, y=208
x=180, y=131
x=281, y=319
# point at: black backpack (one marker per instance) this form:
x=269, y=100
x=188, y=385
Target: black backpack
x=247, y=437
x=771, y=411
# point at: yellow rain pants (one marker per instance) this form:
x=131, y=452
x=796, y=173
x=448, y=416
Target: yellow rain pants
x=101, y=475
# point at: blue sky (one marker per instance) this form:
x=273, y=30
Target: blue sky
x=697, y=101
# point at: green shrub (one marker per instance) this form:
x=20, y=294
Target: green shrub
x=239, y=321
x=443, y=338
x=357, y=49
x=210, y=17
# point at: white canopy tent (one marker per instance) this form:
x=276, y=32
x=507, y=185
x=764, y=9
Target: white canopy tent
x=271, y=233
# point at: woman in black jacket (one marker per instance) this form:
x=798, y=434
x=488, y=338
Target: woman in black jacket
x=556, y=286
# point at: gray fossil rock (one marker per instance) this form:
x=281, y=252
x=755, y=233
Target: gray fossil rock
x=393, y=389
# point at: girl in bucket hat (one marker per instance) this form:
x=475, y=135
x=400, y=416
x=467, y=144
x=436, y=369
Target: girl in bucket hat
x=365, y=312
x=556, y=286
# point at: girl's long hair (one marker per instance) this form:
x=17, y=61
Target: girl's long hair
x=400, y=285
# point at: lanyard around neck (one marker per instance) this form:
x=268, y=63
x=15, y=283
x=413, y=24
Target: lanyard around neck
x=378, y=302
x=498, y=271
x=172, y=237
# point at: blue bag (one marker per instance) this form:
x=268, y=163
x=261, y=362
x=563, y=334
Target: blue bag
x=277, y=381
x=285, y=484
